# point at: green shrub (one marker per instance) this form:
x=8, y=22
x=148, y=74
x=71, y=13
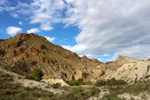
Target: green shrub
x=57, y=85
x=29, y=76
x=5, y=75
x=113, y=81
x=76, y=82
x=37, y=74
x=110, y=82
x=78, y=93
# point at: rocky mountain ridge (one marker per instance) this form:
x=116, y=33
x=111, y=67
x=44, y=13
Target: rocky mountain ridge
x=28, y=51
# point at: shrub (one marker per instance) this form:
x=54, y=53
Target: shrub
x=78, y=93
x=100, y=83
x=76, y=82
x=110, y=82
x=113, y=81
x=57, y=85
x=37, y=74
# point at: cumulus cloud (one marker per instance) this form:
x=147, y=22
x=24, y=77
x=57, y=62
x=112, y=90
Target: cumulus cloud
x=33, y=30
x=110, y=25
x=50, y=39
x=44, y=12
x=105, y=25
x=12, y=30
x=47, y=12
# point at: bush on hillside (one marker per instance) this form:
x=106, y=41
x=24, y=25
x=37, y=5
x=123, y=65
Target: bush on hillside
x=76, y=82
x=37, y=74
x=110, y=82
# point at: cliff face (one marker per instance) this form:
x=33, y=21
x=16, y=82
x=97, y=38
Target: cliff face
x=28, y=51
x=130, y=70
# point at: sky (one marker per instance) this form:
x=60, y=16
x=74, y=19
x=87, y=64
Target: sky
x=101, y=29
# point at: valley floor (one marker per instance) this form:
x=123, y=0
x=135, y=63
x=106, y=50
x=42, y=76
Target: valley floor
x=16, y=87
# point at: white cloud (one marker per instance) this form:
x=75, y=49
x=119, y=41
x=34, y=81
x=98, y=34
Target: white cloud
x=106, y=25
x=50, y=39
x=137, y=52
x=46, y=12
x=12, y=30
x=33, y=30
x=20, y=23
x=76, y=48
x=2, y=5
x=110, y=25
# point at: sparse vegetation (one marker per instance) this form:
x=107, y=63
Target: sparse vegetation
x=12, y=69
x=110, y=82
x=134, y=89
x=18, y=92
x=78, y=93
x=115, y=87
x=9, y=91
x=76, y=82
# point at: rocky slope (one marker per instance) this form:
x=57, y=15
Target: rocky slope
x=28, y=51
x=130, y=70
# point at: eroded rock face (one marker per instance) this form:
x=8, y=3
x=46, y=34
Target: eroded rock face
x=132, y=72
x=24, y=36
x=78, y=74
x=33, y=51
x=67, y=55
x=14, y=45
x=55, y=80
x=2, y=53
x=12, y=54
x=41, y=47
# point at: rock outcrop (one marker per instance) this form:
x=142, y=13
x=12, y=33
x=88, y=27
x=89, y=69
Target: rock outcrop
x=55, y=80
x=131, y=71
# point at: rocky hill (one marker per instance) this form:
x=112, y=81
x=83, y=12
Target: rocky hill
x=28, y=51
x=128, y=69
x=24, y=52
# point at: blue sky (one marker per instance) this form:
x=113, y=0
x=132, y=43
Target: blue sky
x=101, y=29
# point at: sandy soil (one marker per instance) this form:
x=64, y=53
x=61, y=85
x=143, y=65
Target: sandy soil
x=31, y=83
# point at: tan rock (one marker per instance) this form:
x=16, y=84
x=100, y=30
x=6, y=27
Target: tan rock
x=55, y=80
x=132, y=72
x=78, y=74
x=41, y=47
x=33, y=51
x=20, y=51
x=14, y=45
x=12, y=54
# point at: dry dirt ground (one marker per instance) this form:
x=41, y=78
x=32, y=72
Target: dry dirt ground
x=141, y=96
x=31, y=83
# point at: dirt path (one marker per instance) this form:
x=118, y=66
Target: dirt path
x=31, y=83
x=101, y=94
